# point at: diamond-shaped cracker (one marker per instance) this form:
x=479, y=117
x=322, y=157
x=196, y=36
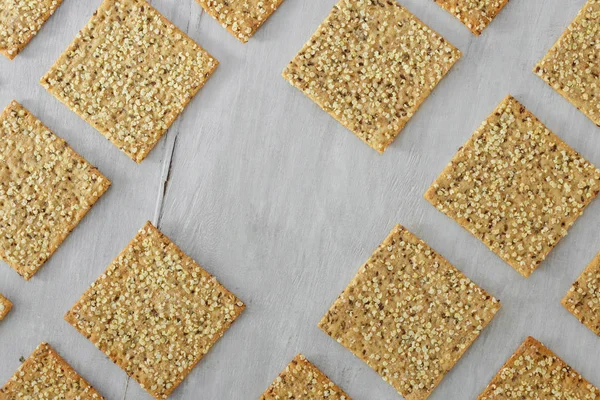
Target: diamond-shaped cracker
x=535, y=372
x=155, y=312
x=475, y=14
x=572, y=66
x=409, y=314
x=370, y=65
x=5, y=306
x=583, y=299
x=516, y=186
x=46, y=375
x=302, y=380
x=20, y=21
x=129, y=73
x=46, y=188
x=241, y=18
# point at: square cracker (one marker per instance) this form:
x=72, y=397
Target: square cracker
x=129, y=73
x=5, y=306
x=302, y=380
x=46, y=188
x=20, y=21
x=535, y=372
x=572, y=66
x=241, y=18
x=155, y=312
x=370, y=65
x=46, y=375
x=475, y=14
x=583, y=299
x=409, y=314
x=516, y=186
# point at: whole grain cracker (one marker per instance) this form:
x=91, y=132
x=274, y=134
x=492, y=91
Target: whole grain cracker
x=572, y=66
x=46, y=188
x=370, y=65
x=241, y=18
x=5, y=306
x=475, y=14
x=516, y=186
x=129, y=73
x=583, y=299
x=409, y=314
x=20, y=21
x=46, y=375
x=155, y=312
x=535, y=372
x=302, y=380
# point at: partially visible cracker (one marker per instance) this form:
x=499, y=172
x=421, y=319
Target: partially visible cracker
x=302, y=380
x=583, y=299
x=155, y=312
x=535, y=372
x=46, y=188
x=129, y=73
x=46, y=375
x=370, y=65
x=475, y=14
x=5, y=306
x=572, y=66
x=409, y=314
x=20, y=21
x=516, y=186
x=241, y=18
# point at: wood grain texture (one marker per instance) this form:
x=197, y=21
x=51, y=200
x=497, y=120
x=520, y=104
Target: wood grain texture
x=280, y=202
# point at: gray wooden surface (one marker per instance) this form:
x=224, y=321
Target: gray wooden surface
x=283, y=205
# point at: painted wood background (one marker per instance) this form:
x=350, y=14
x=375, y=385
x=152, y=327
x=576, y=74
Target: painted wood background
x=283, y=205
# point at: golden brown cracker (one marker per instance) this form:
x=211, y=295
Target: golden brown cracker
x=370, y=65
x=129, y=73
x=5, y=306
x=516, y=186
x=155, y=312
x=46, y=188
x=409, y=314
x=475, y=14
x=535, y=372
x=583, y=299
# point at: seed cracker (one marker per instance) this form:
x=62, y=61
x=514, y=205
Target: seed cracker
x=46, y=375
x=535, y=372
x=475, y=14
x=155, y=312
x=5, y=306
x=46, y=188
x=571, y=67
x=583, y=299
x=409, y=314
x=129, y=73
x=20, y=21
x=302, y=380
x=516, y=186
x=241, y=18
x=370, y=65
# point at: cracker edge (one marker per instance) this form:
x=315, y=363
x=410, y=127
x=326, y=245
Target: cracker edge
x=464, y=21
x=285, y=75
x=18, y=49
x=301, y=359
x=15, y=104
x=419, y=395
x=7, y=306
x=430, y=193
x=140, y=156
x=556, y=47
x=542, y=349
x=46, y=348
x=181, y=377
x=243, y=39
x=593, y=265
